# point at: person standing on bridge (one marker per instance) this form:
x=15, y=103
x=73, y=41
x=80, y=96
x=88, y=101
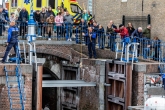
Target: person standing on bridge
x=12, y=40
x=91, y=41
x=68, y=20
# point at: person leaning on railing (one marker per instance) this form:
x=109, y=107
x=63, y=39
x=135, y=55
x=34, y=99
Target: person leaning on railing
x=130, y=28
x=2, y=21
x=147, y=32
x=137, y=34
x=122, y=31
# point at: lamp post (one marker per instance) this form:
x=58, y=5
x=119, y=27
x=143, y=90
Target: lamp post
x=31, y=36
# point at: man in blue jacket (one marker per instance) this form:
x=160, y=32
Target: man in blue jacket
x=91, y=41
x=137, y=33
x=12, y=40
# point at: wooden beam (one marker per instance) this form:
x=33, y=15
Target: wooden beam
x=39, y=86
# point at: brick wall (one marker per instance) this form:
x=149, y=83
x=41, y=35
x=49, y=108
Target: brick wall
x=114, y=9
x=27, y=74
x=138, y=81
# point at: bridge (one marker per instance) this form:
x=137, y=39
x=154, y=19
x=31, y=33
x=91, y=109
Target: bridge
x=66, y=64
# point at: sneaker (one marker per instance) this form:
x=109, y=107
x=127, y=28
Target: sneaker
x=49, y=38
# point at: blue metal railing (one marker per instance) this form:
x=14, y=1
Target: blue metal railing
x=147, y=48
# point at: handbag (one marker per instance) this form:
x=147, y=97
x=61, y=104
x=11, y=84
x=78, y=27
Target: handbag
x=94, y=35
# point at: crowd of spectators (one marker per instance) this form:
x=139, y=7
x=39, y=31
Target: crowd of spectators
x=46, y=19
x=60, y=21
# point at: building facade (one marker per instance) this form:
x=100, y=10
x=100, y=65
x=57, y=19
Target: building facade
x=107, y=10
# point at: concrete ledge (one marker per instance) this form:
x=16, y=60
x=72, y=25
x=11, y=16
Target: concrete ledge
x=139, y=67
x=52, y=42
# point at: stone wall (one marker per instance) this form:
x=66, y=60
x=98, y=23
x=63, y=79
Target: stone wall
x=92, y=98
x=114, y=10
x=27, y=74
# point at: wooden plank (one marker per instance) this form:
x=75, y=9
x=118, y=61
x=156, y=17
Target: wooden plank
x=107, y=91
x=128, y=89
x=121, y=93
x=39, y=87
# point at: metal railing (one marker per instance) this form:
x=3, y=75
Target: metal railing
x=147, y=48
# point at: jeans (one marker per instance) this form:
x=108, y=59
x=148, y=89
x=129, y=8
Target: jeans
x=85, y=40
x=101, y=41
x=59, y=32
x=112, y=42
x=10, y=45
x=1, y=29
x=146, y=52
x=23, y=29
x=42, y=28
x=91, y=49
x=68, y=28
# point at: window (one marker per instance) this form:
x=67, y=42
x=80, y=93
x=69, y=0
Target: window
x=123, y=0
x=75, y=8
x=39, y=3
x=52, y=3
x=13, y=3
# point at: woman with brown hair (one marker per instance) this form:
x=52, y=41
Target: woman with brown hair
x=130, y=28
x=50, y=21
